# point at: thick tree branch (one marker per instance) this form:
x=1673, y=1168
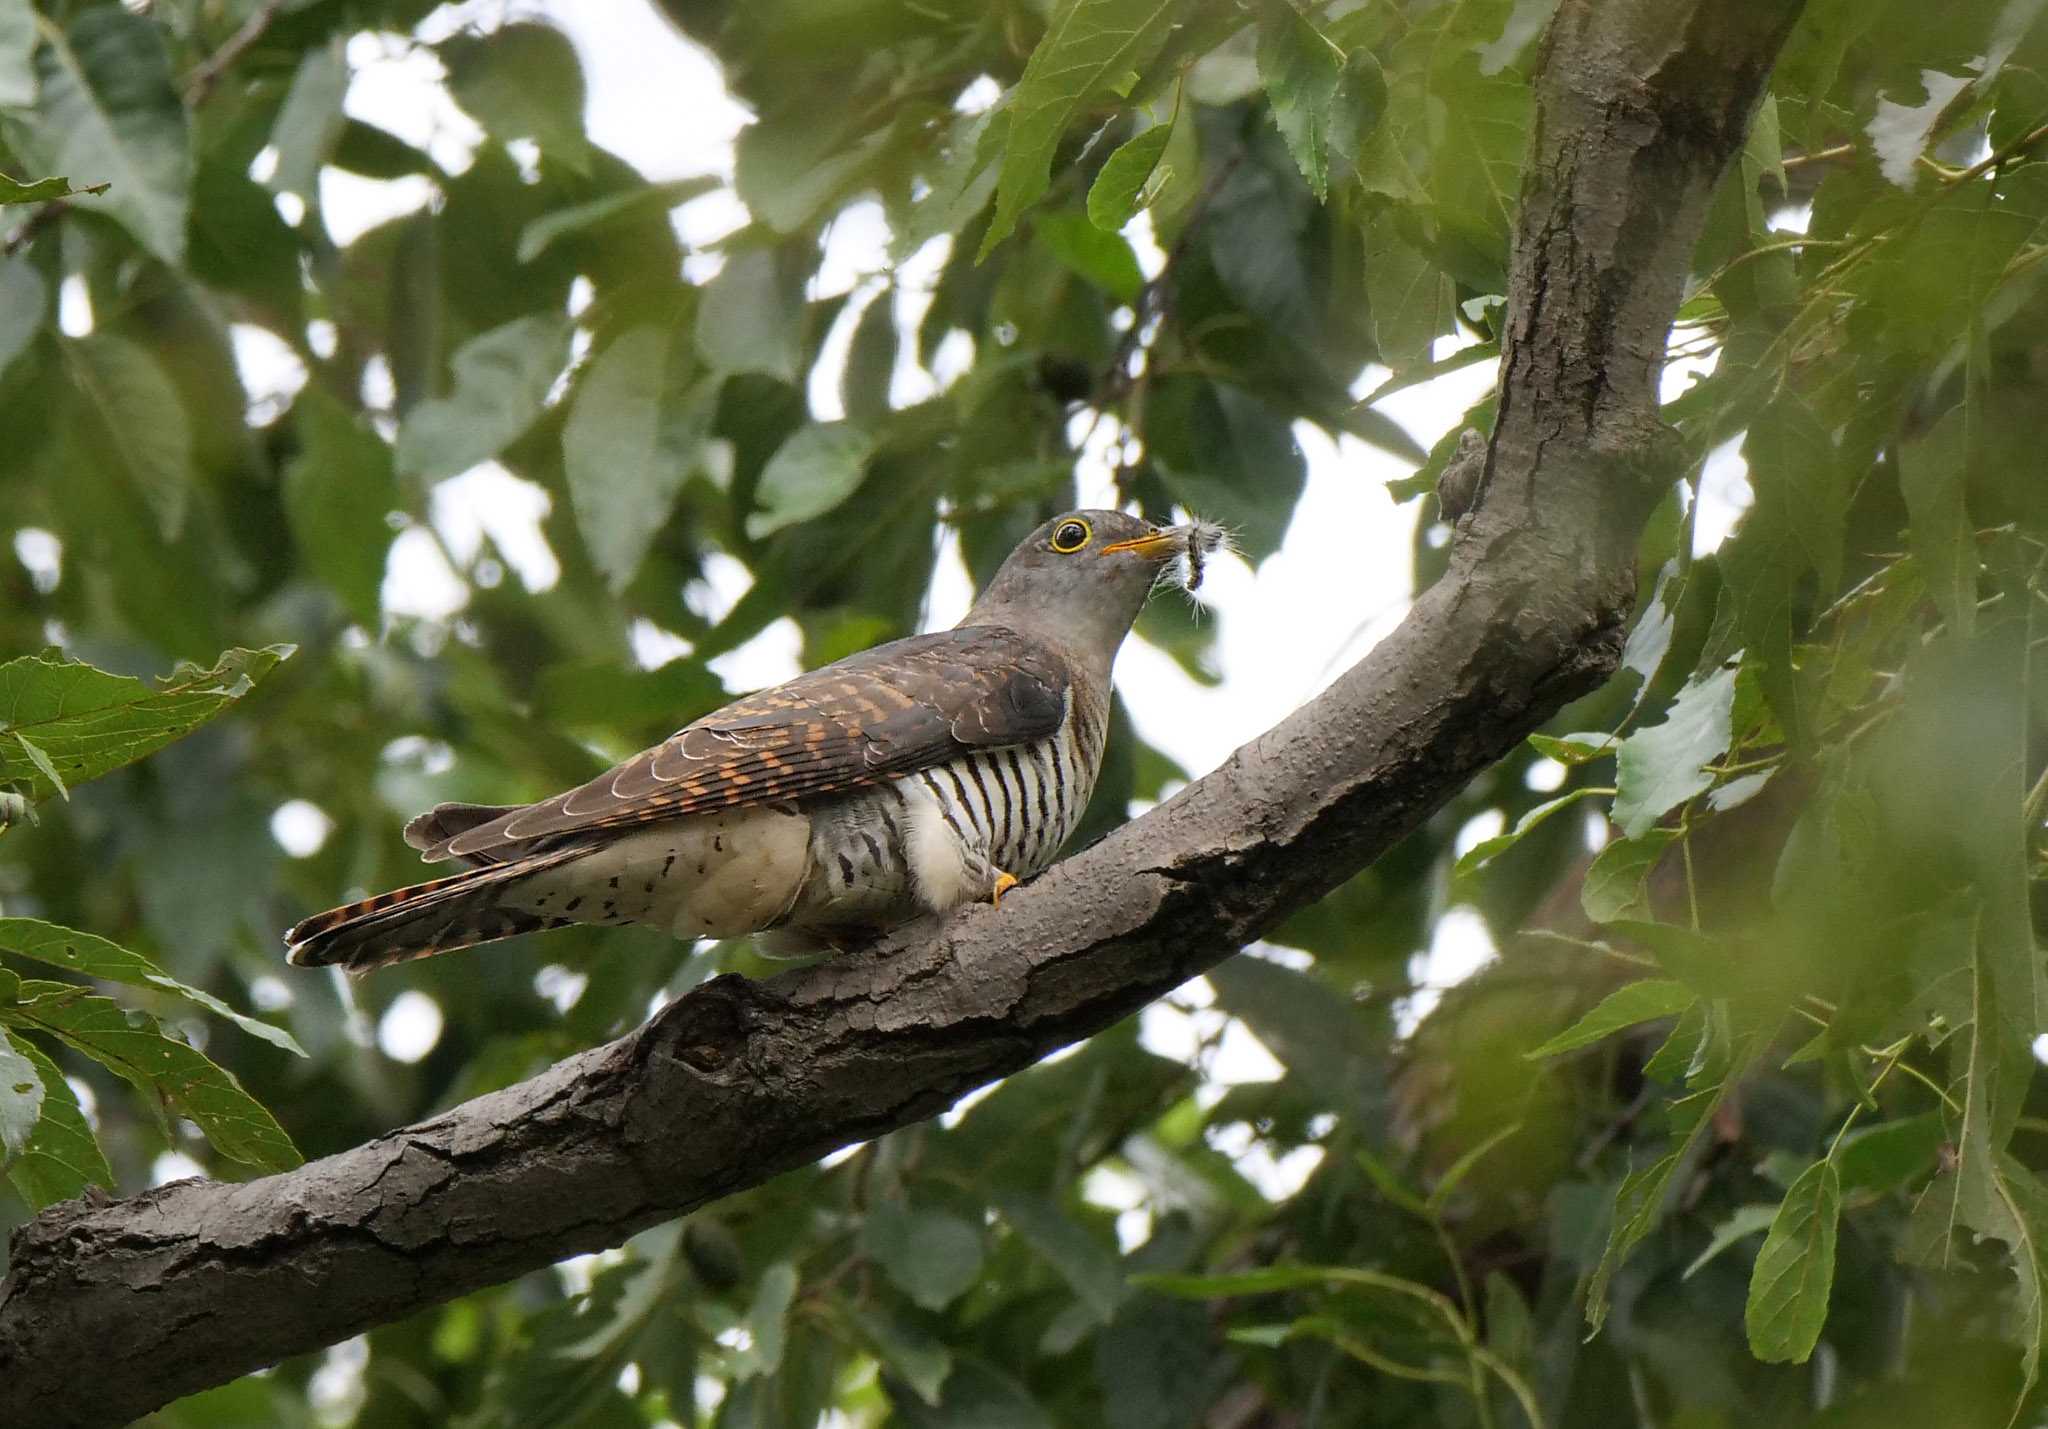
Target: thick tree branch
x=1641, y=105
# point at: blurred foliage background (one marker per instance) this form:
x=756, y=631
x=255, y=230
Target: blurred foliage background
x=1765, y=906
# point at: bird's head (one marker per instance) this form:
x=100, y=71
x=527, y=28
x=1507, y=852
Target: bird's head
x=1082, y=577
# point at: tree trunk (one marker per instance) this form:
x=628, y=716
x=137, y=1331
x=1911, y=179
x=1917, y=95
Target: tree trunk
x=114, y=1307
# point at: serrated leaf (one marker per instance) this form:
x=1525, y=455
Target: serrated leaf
x=817, y=468
x=1300, y=69
x=90, y=722
x=1115, y=197
x=1638, y=1203
x=42, y=190
x=502, y=379
x=1486, y=850
x=107, y=113
x=21, y=1101
x=933, y=1256
x=128, y=414
x=632, y=438
x=158, y=1065
x=338, y=493
x=1088, y=49
x=1614, y=882
x=1795, y=1270
x=1659, y=768
x=95, y=957
x=1643, y=1001
x=62, y=1157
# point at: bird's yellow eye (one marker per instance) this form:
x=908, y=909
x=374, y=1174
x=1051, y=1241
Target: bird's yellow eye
x=1070, y=535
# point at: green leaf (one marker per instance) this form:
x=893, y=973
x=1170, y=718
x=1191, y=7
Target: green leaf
x=108, y=114
x=1486, y=850
x=62, y=1157
x=311, y=122
x=338, y=495
x=903, y=1349
x=1104, y=259
x=632, y=438
x=1227, y=455
x=1300, y=69
x=90, y=722
x=817, y=468
x=1092, y=1268
x=1638, y=1203
x=768, y=1322
x=1933, y=465
x=128, y=414
x=1795, y=1270
x=17, y=54
x=96, y=957
x=871, y=363
x=932, y=1256
x=1614, y=883
x=45, y=766
x=522, y=81
x=1795, y=526
x=1879, y=1158
x=1573, y=749
x=1742, y=1223
x=21, y=1101
x=1413, y=301
x=502, y=379
x=23, y=304
x=1117, y=193
x=1659, y=768
x=158, y=1065
x=1091, y=49
x=640, y=201
x=1643, y=1001
x=42, y=190
x=751, y=316
x=788, y=169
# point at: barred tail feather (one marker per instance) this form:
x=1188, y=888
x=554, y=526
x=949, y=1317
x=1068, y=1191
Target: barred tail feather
x=439, y=916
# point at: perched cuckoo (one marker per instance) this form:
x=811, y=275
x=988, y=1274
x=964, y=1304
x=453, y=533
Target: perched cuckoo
x=911, y=778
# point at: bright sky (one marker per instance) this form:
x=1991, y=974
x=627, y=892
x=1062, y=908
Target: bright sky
x=1339, y=582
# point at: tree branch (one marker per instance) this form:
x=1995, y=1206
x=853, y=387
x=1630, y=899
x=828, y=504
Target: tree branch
x=1641, y=104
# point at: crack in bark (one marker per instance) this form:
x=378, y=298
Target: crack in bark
x=1640, y=106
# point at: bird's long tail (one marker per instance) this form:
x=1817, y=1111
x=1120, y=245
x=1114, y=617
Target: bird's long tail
x=439, y=916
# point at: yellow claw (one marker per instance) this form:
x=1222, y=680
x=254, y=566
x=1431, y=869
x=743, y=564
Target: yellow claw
x=1004, y=883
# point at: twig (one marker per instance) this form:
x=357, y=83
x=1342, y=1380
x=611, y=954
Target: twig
x=199, y=84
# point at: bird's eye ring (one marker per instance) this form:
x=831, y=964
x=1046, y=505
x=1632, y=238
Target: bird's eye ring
x=1070, y=535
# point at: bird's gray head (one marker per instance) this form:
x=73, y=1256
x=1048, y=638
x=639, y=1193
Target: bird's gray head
x=1082, y=578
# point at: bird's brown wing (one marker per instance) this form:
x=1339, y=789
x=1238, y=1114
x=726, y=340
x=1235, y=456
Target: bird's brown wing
x=882, y=713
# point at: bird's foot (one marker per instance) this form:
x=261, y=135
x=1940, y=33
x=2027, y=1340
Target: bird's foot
x=1004, y=883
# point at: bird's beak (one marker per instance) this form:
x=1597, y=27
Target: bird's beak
x=1166, y=541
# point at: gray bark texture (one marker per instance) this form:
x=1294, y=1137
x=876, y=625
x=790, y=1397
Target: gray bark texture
x=114, y=1307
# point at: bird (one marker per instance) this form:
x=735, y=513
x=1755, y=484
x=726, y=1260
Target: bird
x=909, y=779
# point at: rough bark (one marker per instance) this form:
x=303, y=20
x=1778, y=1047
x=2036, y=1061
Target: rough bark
x=1641, y=104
